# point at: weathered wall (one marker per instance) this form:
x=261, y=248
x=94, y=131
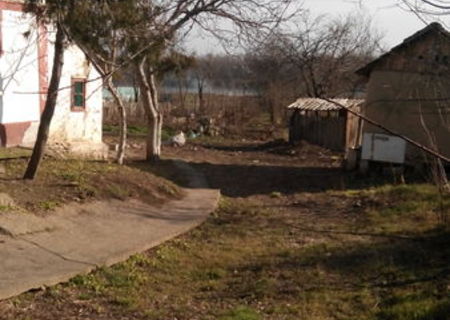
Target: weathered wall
x=25, y=67
x=353, y=130
x=409, y=93
x=327, y=129
x=77, y=126
x=412, y=104
x=19, y=77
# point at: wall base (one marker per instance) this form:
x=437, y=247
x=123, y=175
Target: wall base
x=79, y=149
x=12, y=134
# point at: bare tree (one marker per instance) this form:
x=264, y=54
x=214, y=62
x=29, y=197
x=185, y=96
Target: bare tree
x=100, y=29
x=49, y=109
x=97, y=27
x=425, y=9
x=168, y=20
x=273, y=76
x=316, y=58
x=118, y=33
x=57, y=15
x=202, y=74
x=325, y=52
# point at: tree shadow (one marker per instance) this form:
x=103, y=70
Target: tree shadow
x=391, y=262
x=279, y=146
x=242, y=180
x=409, y=277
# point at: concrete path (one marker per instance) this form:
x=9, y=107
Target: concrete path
x=36, y=252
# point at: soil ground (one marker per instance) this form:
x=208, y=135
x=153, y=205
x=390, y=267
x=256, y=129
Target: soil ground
x=61, y=181
x=294, y=238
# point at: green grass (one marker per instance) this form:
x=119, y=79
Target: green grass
x=48, y=205
x=250, y=261
x=241, y=313
x=409, y=208
x=10, y=153
x=422, y=306
x=137, y=131
x=62, y=181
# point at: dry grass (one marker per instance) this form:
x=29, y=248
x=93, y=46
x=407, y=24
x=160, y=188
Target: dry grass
x=376, y=253
x=62, y=181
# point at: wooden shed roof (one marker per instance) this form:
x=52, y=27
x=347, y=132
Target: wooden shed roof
x=434, y=27
x=317, y=104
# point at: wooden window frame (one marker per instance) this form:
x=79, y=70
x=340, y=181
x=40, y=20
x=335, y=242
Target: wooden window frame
x=74, y=108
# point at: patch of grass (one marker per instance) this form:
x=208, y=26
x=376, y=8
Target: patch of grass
x=167, y=133
x=7, y=208
x=415, y=307
x=276, y=194
x=138, y=131
x=241, y=313
x=255, y=260
x=11, y=153
x=62, y=181
x=402, y=208
x=133, y=130
x=48, y=205
x=118, y=192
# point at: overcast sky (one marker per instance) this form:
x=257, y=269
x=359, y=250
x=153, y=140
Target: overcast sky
x=393, y=22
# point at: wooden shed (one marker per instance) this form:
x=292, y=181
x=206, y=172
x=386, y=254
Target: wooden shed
x=325, y=123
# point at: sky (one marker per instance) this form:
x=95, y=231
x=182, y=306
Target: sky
x=394, y=23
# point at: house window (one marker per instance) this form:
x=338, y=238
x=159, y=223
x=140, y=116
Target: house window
x=78, y=94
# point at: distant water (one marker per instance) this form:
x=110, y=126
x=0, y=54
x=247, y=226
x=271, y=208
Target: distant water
x=128, y=92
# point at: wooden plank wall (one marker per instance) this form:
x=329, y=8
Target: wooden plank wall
x=327, y=129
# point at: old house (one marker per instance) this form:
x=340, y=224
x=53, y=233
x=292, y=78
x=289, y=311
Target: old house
x=408, y=92
x=325, y=123
x=26, y=55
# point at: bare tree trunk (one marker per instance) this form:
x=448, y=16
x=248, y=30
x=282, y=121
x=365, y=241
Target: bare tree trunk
x=120, y=157
x=135, y=90
x=159, y=116
x=149, y=95
x=201, y=99
x=50, y=105
x=153, y=150
x=159, y=131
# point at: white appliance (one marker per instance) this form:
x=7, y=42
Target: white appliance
x=383, y=148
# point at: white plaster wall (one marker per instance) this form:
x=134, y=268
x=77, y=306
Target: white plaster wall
x=19, y=76
x=19, y=85
x=77, y=126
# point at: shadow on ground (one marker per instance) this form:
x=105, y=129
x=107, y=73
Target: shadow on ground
x=239, y=180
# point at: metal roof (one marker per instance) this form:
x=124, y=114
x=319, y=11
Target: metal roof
x=317, y=104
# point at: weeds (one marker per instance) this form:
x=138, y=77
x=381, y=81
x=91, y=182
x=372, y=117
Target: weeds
x=48, y=205
x=251, y=262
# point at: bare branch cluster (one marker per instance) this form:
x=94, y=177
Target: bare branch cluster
x=321, y=54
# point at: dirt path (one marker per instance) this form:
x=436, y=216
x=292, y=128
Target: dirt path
x=246, y=168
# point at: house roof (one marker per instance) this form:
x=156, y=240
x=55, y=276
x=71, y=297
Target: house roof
x=316, y=104
x=434, y=27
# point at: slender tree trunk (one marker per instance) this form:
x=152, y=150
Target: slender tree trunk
x=159, y=116
x=153, y=146
x=201, y=99
x=149, y=96
x=159, y=131
x=50, y=105
x=135, y=90
x=120, y=157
